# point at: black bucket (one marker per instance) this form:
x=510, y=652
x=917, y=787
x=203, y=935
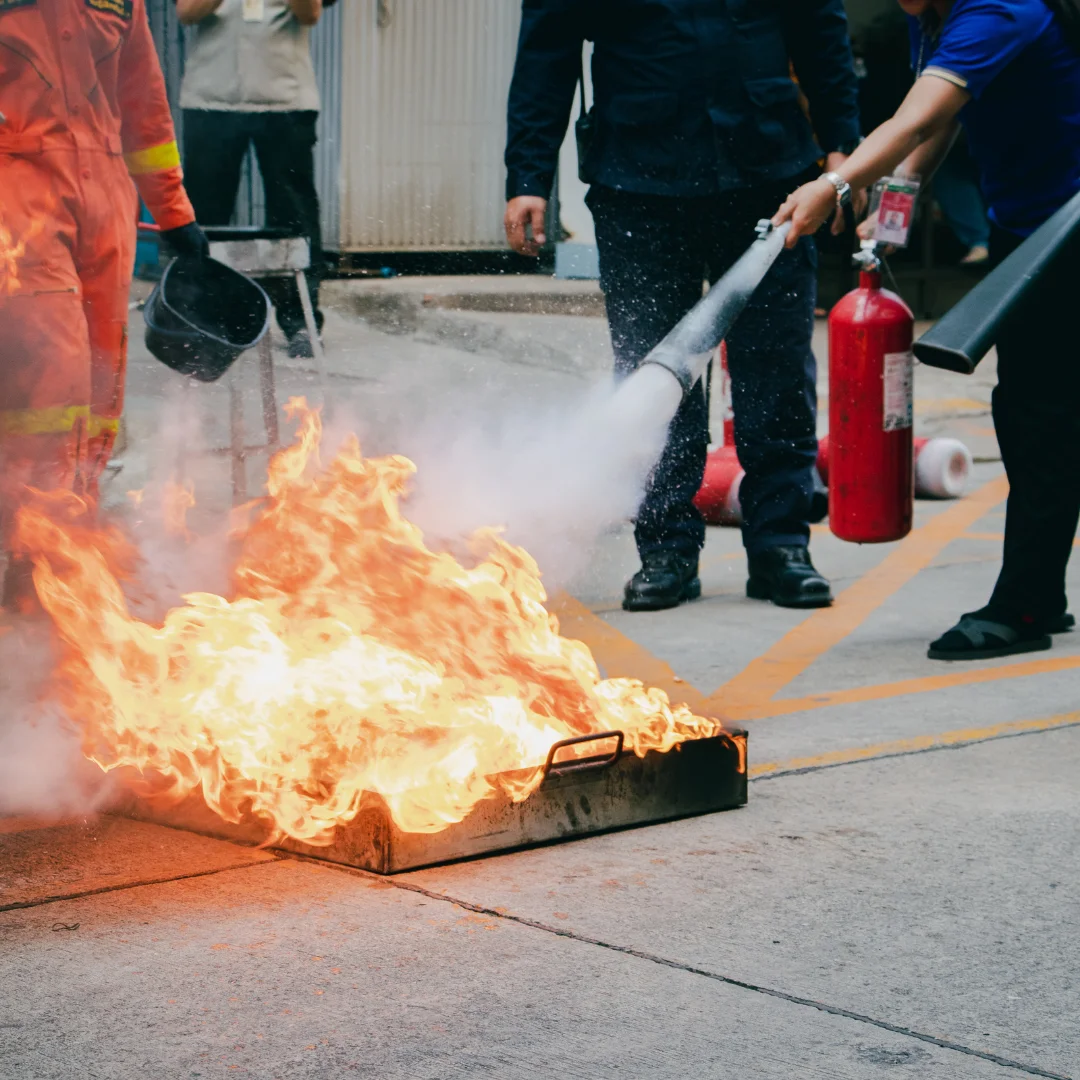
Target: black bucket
x=202, y=315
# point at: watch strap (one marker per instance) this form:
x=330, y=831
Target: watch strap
x=843, y=188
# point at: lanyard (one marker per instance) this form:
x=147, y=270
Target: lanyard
x=926, y=37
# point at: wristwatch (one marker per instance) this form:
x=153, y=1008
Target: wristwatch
x=843, y=188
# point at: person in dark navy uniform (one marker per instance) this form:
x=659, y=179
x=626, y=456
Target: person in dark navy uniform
x=696, y=132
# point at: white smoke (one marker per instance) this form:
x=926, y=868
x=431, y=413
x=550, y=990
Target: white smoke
x=555, y=476
x=554, y=471
x=180, y=553
x=42, y=770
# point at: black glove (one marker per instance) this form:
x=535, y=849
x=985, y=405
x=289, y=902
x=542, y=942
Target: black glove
x=187, y=240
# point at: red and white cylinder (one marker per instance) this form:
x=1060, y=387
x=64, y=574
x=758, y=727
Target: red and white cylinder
x=718, y=498
x=942, y=466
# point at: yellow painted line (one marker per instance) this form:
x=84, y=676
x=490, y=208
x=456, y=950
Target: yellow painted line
x=766, y=676
x=619, y=656
x=969, y=427
x=912, y=746
x=859, y=695
x=950, y=404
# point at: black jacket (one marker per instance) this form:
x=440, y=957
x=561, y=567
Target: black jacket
x=692, y=97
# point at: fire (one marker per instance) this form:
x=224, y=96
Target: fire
x=178, y=499
x=11, y=251
x=350, y=659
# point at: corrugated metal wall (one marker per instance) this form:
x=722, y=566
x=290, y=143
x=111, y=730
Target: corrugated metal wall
x=423, y=122
x=326, y=53
x=171, y=41
x=172, y=44
x=413, y=120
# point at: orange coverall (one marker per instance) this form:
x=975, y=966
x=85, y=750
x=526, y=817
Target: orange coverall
x=84, y=111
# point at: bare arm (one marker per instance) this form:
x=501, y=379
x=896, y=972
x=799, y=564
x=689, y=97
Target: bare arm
x=915, y=134
x=190, y=12
x=924, y=160
x=307, y=12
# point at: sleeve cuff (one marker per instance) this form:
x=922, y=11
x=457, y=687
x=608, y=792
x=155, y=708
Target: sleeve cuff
x=165, y=198
x=947, y=75
x=523, y=184
x=838, y=137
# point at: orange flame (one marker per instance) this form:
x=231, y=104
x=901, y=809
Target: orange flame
x=350, y=659
x=10, y=254
x=177, y=499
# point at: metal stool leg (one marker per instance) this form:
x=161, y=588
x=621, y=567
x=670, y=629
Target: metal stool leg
x=313, y=333
x=237, y=453
x=268, y=391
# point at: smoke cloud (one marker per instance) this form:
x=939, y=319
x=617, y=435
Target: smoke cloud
x=555, y=476
x=42, y=770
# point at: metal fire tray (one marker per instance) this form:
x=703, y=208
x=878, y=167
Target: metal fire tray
x=579, y=796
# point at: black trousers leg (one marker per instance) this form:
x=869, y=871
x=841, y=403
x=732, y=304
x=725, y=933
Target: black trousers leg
x=773, y=379
x=285, y=148
x=215, y=142
x=652, y=264
x=1037, y=416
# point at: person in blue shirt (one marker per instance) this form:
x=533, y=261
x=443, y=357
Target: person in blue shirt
x=697, y=132
x=1005, y=71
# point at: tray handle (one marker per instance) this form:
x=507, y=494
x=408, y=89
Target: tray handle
x=564, y=767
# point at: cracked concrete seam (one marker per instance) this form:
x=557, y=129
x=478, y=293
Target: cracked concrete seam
x=662, y=961
x=21, y=904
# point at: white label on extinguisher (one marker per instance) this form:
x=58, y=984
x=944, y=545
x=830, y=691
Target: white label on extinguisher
x=898, y=390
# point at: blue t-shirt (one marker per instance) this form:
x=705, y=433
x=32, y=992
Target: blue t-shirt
x=1023, y=122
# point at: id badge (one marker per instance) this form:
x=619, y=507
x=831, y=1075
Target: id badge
x=254, y=10
x=893, y=201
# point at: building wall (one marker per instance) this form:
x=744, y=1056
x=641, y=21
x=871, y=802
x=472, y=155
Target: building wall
x=172, y=42
x=423, y=122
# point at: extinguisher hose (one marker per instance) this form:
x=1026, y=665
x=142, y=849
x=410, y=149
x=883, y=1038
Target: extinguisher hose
x=686, y=350
x=960, y=339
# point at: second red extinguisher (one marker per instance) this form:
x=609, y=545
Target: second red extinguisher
x=871, y=493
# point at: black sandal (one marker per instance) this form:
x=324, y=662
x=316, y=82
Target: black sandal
x=979, y=636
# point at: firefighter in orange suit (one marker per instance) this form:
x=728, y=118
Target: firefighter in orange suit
x=84, y=112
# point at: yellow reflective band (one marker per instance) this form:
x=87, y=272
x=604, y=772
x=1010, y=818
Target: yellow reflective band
x=102, y=425
x=153, y=159
x=54, y=421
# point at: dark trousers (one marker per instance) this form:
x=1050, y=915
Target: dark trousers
x=1037, y=417
x=654, y=254
x=215, y=142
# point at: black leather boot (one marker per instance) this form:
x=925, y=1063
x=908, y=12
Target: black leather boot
x=786, y=576
x=665, y=580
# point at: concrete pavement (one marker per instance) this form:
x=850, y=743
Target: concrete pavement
x=899, y=898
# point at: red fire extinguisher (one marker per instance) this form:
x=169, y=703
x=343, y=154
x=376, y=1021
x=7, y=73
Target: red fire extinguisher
x=871, y=494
